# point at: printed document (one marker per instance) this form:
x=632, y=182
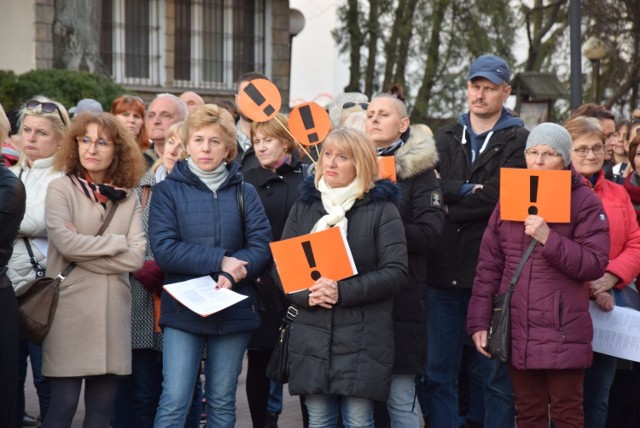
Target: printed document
x=616, y=332
x=201, y=295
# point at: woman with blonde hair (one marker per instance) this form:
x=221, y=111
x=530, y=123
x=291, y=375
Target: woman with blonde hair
x=90, y=338
x=341, y=342
x=197, y=227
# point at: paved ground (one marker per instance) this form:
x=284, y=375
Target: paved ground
x=290, y=417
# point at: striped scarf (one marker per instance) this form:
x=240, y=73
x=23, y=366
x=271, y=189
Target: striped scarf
x=98, y=192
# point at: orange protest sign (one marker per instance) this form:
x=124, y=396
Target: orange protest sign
x=260, y=100
x=309, y=123
x=303, y=259
x=529, y=191
x=387, y=167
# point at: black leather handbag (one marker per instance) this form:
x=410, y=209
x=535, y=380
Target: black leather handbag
x=278, y=367
x=499, y=338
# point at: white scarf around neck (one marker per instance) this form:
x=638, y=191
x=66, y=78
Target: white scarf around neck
x=336, y=203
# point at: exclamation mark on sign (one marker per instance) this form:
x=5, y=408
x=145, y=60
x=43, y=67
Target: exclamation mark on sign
x=533, y=195
x=307, y=121
x=306, y=246
x=257, y=98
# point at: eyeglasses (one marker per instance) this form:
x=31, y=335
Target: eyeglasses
x=582, y=151
x=545, y=155
x=350, y=104
x=47, y=107
x=86, y=142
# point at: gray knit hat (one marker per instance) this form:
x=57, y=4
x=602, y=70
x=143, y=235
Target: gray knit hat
x=554, y=136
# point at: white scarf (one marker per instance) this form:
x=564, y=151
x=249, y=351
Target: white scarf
x=336, y=202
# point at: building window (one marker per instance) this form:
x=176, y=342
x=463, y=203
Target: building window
x=216, y=41
x=130, y=40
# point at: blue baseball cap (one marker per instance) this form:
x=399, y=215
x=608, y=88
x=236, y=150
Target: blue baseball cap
x=490, y=67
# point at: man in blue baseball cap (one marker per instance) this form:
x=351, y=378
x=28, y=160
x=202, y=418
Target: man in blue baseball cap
x=471, y=152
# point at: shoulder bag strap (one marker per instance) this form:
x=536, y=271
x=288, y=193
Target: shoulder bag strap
x=526, y=255
x=240, y=198
x=107, y=220
x=39, y=270
x=146, y=190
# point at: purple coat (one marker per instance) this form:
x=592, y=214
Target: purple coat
x=550, y=323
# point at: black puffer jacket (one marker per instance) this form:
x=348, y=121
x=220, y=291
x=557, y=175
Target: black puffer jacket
x=453, y=262
x=349, y=350
x=13, y=197
x=421, y=211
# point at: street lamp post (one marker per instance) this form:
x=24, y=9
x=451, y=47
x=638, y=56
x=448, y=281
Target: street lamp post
x=595, y=49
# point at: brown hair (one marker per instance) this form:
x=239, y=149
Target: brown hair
x=211, y=114
x=130, y=103
x=633, y=149
x=580, y=126
x=128, y=165
x=356, y=145
x=276, y=128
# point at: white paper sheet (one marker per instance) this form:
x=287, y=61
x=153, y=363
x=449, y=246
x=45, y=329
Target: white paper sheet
x=616, y=332
x=202, y=297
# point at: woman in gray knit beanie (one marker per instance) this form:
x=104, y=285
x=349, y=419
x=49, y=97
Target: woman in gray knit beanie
x=556, y=140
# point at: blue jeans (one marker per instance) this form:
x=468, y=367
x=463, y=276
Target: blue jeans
x=274, y=405
x=324, y=410
x=401, y=404
x=499, y=401
x=29, y=350
x=597, y=383
x=181, y=357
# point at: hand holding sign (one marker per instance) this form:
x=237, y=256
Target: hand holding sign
x=309, y=123
x=260, y=100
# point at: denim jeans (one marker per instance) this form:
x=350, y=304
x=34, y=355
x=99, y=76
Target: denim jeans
x=274, y=405
x=324, y=411
x=401, y=404
x=181, y=357
x=29, y=350
x=499, y=401
x=138, y=395
x=597, y=384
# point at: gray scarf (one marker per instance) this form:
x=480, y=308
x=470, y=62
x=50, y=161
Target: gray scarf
x=213, y=179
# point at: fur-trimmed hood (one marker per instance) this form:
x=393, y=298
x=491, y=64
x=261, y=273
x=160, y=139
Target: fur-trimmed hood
x=416, y=155
x=384, y=190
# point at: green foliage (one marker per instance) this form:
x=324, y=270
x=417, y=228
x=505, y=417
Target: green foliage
x=65, y=86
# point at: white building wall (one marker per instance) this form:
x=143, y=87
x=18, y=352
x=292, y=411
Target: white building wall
x=17, y=44
x=318, y=71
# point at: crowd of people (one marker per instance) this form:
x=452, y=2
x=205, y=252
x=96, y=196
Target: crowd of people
x=147, y=195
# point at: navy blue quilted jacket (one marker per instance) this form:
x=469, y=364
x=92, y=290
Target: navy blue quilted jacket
x=192, y=228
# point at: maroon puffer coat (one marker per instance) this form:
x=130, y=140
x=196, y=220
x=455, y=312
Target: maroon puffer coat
x=550, y=322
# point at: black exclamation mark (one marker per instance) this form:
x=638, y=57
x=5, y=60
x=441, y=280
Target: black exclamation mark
x=306, y=246
x=307, y=121
x=533, y=195
x=257, y=98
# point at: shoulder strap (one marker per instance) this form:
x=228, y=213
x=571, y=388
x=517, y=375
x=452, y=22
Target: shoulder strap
x=39, y=270
x=240, y=198
x=525, y=256
x=146, y=190
x=107, y=220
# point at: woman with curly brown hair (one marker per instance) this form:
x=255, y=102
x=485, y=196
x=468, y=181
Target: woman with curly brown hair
x=90, y=338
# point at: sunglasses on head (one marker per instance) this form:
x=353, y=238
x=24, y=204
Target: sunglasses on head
x=47, y=107
x=350, y=104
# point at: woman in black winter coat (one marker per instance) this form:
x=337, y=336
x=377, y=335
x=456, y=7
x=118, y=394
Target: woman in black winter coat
x=341, y=342
x=415, y=157
x=277, y=181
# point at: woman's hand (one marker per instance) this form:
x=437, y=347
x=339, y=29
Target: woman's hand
x=223, y=282
x=537, y=228
x=603, y=284
x=480, y=340
x=234, y=267
x=605, y=301
x=324, y=293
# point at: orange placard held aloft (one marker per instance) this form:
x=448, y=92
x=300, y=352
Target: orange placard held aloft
x=387, y=167
x=309, y=123
x=529, y=191
x=260, y=100
x=302, y=260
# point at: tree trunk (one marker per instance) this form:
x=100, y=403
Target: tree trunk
x=76, y=36
x=406, y=31
x=421, y=108
x=355, y=40
x=390, y=49
x=374, y=33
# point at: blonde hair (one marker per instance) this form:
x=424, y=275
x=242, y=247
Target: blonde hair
x=175, y=130
x=128, y=164
x=356, y=145
x=276, y=128
x=211, y=114
x=581, y=126
x=59, y=118
x=5, y=126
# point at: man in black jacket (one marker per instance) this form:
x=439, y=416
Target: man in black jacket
x=471, y=153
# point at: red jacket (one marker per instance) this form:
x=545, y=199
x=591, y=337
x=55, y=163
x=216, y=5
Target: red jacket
x=550, y=323
x=624, y=254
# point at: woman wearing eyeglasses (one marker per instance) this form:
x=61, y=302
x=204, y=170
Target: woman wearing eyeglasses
x=90, y=338
x=551, y=328
x=42, y=123
x=587, y=157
